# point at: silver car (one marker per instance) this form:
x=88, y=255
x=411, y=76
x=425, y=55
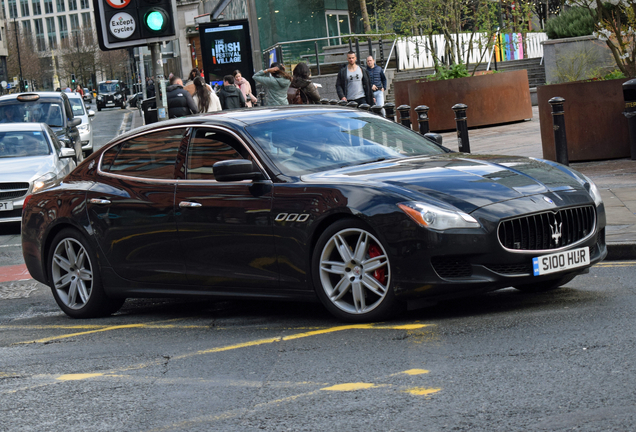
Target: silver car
x=85, y=128
x=31, y=158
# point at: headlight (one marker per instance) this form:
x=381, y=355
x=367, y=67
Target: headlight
x=593, y=190
x=99, y=97
x=117, y=96
x=438, y=218
x=84, y=127
x=46, y=180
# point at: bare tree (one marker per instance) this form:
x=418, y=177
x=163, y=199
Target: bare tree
x=114, y=63
x=78, y=55
x=28, y=55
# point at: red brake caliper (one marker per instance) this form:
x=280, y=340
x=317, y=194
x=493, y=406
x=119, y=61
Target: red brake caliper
x=379, y=274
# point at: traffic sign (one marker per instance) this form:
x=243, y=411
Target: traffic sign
x=118, y=4
x=122, y=25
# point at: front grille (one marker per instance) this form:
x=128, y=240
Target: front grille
x=11, y=214
x=511, y=269
x=548, y=230
x=452, y=267
x=13, y=190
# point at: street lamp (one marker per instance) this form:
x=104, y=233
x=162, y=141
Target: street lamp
x=15, y=28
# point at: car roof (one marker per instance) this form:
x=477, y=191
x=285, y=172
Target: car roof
x=41, y=94
x=8, y=127
x=74, y=95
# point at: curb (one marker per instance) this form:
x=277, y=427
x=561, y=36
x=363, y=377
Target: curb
x=621, y=251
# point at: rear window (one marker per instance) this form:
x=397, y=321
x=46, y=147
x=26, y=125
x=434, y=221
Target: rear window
x=77, y=105
x=40, y=111
x=23, y=144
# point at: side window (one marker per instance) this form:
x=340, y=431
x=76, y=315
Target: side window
x=54, y=140
x=207, y=147
x=147, y=156
x=67, y=108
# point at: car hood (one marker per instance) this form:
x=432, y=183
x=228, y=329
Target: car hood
x=26, y=169
x=467, y=183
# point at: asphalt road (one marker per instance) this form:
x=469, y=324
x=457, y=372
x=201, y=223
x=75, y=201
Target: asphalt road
x=503, y=361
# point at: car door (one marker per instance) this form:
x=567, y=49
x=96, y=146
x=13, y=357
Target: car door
x=225, y=228
x=131, y=207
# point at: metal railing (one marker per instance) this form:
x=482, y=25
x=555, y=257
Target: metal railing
x=293, y=49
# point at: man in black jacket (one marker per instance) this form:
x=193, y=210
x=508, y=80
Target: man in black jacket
x=231, y=96
x=180, y=103
x=353, y=84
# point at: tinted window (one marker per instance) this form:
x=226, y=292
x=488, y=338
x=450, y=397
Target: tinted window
x=148, y=156
x=317, y=142
x=107, y=88
x=38, y=111
x=23, y=144
x=207, y=147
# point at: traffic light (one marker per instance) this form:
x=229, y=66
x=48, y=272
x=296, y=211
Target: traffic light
x=26, y=85
x=130, y=23
x=73, y=79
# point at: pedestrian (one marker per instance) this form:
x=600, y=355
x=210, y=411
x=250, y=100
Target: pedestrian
x=79, y=90
x=180, y=102
x=205, y=99
x=246, y=88
x=352, y=83
x=150, y=88
x=231, y=96
x=377, y=80
x=189, y=84
x=276, y=81
x=302, y=86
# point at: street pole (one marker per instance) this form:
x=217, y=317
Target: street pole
x=142, y=71
x=157, y=71
x=17, y=43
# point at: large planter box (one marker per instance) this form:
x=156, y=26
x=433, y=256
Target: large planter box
x=583, y=56
x=595, y=127
x=492, y=98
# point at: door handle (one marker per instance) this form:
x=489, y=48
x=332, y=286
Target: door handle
x=189, y=204
x=99, y=201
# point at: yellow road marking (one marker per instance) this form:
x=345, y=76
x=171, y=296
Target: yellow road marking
x=350, y=387
x=421, y=391
x=415, y=371
x=78, y=377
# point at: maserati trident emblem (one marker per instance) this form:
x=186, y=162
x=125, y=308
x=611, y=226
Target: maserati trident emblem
x=556, y=231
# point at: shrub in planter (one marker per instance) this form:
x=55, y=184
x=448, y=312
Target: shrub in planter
x=571, y=23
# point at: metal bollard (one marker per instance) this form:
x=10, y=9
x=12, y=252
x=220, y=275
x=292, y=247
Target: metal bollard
x=422, y=118
x=261, y=98
x=629, y=95
x=333, y=102
x=390, y=111
x=377, y=109
x=364, y=107
x=405, y=115
x=324, y=101
x=462, y=127
x=352, y=104
x=560, y=140
x=342, y=102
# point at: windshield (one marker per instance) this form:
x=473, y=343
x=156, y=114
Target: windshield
x=23, y=144
x=77, y=105
x=318, y=142
x=107, y=88
x=32, y=112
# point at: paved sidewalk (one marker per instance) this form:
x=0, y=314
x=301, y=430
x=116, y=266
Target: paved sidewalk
x=615, y=178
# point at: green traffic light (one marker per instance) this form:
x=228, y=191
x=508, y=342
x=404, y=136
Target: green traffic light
x=155, y=21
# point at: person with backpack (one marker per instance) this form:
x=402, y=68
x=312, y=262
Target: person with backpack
x=231, y=96
x=301, y=89
x=276, y=81
x=205, y=99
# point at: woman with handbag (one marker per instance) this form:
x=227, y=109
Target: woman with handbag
x=245, y=87
x=302, y=85
x=204, y=98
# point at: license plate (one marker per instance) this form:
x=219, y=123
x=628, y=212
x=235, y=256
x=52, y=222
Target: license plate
x=561, y=261
x=6, y=206
x=110, y=103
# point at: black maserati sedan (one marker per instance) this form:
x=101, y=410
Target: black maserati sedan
x=303, y=203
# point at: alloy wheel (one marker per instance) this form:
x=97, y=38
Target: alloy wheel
x=72, y=273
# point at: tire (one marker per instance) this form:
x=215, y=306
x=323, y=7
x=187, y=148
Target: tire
x=99, y=108
x=75, y=279
x=87, y=153
x=123, y=106
x=547, y=285
x=343, y=285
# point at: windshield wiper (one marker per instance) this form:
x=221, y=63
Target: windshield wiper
x=375, y=160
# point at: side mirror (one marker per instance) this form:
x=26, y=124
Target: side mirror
x=91, y=113
x=75, y=122
x=66, y=152
x=235, y=170
x=437, y=138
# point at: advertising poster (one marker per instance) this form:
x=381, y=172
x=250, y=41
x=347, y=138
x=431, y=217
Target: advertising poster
x=225, y=46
